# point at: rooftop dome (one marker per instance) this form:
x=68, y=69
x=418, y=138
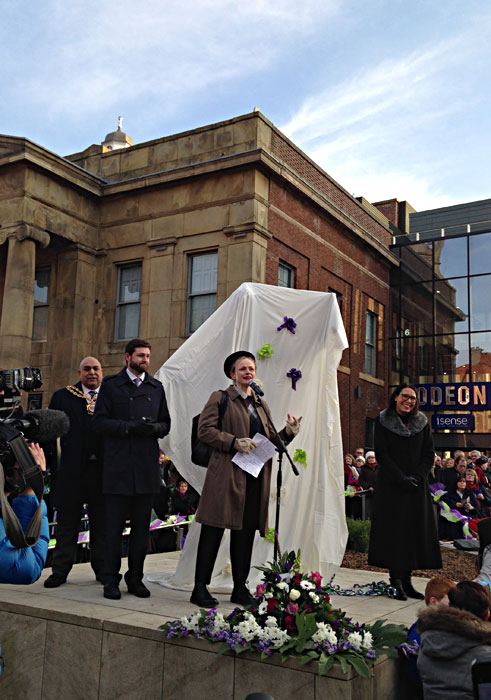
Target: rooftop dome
x=117, y=139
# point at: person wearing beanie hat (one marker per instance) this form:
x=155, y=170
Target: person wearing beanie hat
x=232, y=498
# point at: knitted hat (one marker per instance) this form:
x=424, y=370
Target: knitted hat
x=370, y=454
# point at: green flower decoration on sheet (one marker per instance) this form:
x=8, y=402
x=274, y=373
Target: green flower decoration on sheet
x=269, y=536
x=265, y=352
x=300, y=457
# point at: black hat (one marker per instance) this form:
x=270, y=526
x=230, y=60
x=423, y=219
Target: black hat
x=232, y=359
x=481, y=461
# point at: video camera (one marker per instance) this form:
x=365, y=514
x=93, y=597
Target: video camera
x=18, y=470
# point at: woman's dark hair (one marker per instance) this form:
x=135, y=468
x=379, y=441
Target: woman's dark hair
x=471, y=596
x=395, y=394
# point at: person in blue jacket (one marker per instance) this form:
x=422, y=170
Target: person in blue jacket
x=24, y=566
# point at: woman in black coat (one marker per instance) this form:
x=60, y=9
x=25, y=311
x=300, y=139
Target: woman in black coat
x=403, y=534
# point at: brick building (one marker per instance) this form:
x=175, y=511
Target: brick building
x=123, y=240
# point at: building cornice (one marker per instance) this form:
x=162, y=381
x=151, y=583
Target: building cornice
x=15, y=150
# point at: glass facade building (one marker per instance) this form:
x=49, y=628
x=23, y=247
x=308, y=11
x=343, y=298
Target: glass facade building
x=441, y=317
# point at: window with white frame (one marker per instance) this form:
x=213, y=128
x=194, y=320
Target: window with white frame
x=128, y=301
x=370, y=344
x=41, y=304
x=286, y=275
x=202, y=289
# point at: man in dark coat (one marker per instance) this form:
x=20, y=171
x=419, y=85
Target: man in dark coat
x=131, y=413
x=77, y=479
x=403, y=534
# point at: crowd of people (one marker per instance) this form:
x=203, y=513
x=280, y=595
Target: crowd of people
x=464, y=483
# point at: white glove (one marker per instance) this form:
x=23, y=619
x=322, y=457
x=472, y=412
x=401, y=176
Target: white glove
x=293, y=425
x=244, y=445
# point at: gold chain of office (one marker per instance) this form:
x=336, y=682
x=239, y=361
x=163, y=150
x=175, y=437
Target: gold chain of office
x=89, y=399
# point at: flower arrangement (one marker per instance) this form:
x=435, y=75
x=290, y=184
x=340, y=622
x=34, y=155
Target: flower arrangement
x=293, y=616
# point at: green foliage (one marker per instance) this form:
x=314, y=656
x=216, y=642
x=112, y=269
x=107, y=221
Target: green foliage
x=358, y=534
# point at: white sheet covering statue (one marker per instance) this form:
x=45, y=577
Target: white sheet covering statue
x=312, y=514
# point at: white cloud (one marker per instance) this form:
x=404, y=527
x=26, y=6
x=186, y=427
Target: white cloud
x=106, y=52
x=373, y=132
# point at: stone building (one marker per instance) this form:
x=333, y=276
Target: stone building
x=123, y=240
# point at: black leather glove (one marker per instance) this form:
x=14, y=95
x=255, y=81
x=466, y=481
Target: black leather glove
x=147, y=427
x=133, y=425
x=410, y=482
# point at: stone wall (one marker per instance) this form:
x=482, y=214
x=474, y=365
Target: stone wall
x=55, y=656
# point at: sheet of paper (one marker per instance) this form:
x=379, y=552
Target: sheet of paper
x=254, y=461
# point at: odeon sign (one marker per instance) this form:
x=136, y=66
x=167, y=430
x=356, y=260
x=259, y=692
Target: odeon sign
x=469, y=396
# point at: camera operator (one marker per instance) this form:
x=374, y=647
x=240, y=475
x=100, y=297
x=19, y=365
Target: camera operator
x=24, y=566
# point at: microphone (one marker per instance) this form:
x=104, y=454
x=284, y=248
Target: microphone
x=42, y=425
x=256, y=388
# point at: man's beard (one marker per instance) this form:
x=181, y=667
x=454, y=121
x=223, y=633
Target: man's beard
x=135, y=366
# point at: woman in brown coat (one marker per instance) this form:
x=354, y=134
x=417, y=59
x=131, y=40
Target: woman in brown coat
x=232, y=498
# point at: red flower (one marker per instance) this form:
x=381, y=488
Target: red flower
x=307, y=609
x=271, y=605
x=327, y=598
x=316, y=578
x=289, y=623
x=292, y=608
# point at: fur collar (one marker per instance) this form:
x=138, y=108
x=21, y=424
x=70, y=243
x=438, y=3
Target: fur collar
x=389, y=419
x=460, y=622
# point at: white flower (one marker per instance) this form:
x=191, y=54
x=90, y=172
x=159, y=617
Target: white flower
x=219, y=622
x=191, y=623
x=314, y=597
x=367, y=640
x=282, y=585
x=294, y=594
x=248, y=629
x=262, y=608
x=271, y=621
x=172, y=519
x=325, y=633
x=355, y=639
x=268, y=595
x=307, y=585
x=275, y=636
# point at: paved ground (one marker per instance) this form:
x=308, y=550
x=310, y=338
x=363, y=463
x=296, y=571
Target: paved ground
x=82, y=595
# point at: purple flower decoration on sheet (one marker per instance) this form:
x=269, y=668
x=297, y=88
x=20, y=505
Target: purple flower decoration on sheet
x=295, y=375
x=289, y=324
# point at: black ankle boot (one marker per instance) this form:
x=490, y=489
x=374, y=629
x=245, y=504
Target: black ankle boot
x=397, y=584
x=202, y=597
x=409, y=589
x=241, y=595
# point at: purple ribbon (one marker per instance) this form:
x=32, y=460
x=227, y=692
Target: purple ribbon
x=295, y=375
x=289, y=324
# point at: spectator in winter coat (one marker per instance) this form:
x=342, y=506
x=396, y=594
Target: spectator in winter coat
x=451, y=638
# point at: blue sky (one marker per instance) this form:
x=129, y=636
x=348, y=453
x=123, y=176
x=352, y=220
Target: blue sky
x=391, y=98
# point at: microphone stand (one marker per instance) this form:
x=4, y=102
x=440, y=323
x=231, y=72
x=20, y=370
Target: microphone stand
x=279, y=476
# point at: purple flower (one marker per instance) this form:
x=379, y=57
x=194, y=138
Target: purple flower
x=289, y=324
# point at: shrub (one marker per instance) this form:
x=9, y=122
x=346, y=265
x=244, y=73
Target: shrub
x=358, y=534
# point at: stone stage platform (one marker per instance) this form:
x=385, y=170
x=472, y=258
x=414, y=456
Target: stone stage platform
x=70, y=642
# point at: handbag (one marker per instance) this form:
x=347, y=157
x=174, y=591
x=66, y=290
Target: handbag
x=200, y=451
